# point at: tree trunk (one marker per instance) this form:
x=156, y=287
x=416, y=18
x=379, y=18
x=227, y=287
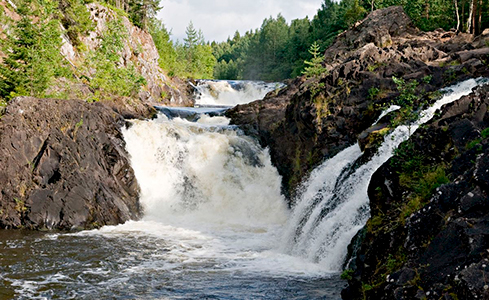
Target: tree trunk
x=458, y=15
x=470, y=19
x=479, y=25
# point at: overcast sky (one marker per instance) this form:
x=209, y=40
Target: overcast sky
x=219, y=19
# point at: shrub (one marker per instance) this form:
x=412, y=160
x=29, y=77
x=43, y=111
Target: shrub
x=407, y=91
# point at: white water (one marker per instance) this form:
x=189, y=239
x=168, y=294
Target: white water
x=211, y=195
x=333, y=202
x=231, y=93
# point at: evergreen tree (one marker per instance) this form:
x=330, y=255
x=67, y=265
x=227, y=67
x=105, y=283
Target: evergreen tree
x=32, y=52
x=315, y=65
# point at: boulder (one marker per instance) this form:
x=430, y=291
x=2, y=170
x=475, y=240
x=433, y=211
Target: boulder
x=63, y=166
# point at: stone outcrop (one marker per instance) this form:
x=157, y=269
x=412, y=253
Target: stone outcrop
x=321, y=116
x=63, y=166
x=426, y=243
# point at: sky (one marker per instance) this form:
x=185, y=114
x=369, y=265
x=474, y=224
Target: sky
x=219, y=19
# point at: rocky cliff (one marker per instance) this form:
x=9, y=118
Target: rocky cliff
x=63, y=166
x=315, y=118
x=138, y=51
x=423, y=242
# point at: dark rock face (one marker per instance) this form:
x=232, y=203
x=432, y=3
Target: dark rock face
x=314, y=119
x=433, y=246
x=63, y=166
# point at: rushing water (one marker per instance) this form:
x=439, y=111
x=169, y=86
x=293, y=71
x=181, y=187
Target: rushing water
x=333, y=202
x=215, y=223
x=231, y=93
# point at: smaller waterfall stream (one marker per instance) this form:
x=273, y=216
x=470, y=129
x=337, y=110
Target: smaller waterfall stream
x=333, y=202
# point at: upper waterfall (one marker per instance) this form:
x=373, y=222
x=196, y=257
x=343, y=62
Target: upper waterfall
x=231, y=93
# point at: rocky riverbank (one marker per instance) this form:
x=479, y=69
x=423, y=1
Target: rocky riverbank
x=423, y=241
x=63, y=166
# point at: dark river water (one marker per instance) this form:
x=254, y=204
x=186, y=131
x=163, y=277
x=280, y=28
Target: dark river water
x=134, y=266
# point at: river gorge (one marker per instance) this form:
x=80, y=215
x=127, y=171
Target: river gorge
x=215, y=223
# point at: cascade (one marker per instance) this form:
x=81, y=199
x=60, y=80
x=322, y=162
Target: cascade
x=333, y=203
x=231, y=93
x=203, y=171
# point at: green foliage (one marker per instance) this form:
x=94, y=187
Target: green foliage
x=79, y=124
x=373, y=92
x=472, y=144
x=75, y=18
x=193, y=59
x=165, y=47
x=395, y=262
x=354, y=13
x=347, y=274
x=485, y=133
x=315, y=65
x=32, y=47
x=407, y=91
x=418, y=176
x=427, y=79
x=108, y=77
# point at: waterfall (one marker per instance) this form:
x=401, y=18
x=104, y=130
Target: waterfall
x=231, y=93
x=203, y=172
x=333, y=203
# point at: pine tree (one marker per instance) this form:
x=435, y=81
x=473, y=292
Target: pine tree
x=315, y=65
x=32, y=53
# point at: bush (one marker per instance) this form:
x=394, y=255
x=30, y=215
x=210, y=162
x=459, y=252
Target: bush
x=407, y=91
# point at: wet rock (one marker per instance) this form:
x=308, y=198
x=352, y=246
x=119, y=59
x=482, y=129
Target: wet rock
x=63, y=166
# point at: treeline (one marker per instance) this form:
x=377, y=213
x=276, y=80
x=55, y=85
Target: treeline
x=191, y=59
x=278, y=50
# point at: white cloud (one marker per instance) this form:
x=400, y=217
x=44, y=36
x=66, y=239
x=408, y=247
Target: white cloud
x=219, y=19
